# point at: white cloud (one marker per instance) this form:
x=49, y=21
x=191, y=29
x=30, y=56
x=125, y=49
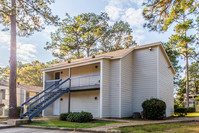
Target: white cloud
x=129, y=11
x=48, y=30
x=133, y=17
x=138, y=35
x=4, y=37
x=113, y=12
x=25, y=52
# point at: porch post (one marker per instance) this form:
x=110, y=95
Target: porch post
x=69, y=90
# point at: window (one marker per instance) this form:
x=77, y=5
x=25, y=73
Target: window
x=57, y=75
x=3, y=94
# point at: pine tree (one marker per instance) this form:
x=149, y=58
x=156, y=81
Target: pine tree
x=24, y=17
x=161, y=14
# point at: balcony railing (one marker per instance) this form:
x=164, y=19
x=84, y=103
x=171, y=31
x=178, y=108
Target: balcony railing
x=80, y=82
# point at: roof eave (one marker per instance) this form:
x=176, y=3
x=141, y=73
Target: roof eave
x=74, y=63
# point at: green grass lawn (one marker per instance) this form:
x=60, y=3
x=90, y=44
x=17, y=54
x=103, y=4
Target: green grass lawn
x=192, y=127
x=195, y=114
x=58, y=123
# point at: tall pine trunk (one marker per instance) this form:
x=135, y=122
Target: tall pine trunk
x=187, y=78
x=13, y=64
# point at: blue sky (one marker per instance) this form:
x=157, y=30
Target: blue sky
x=32, y=48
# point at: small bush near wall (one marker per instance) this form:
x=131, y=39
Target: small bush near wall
x=175, y=106
x=63, y=116
x=191, y=110
x=197, y=99
x=180, y=111
x=154, y=109
x=80, y=117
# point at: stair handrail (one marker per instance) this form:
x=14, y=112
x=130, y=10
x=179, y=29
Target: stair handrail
x=22, y=109
x=48, y=93
x=41, y=92
x=46, y=105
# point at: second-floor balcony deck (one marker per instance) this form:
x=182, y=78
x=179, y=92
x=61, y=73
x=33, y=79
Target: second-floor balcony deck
x=82, y=82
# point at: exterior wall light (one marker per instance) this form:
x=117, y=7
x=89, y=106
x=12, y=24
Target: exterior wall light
x=150, y=49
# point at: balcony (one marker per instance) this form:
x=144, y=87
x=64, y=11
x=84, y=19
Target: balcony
x=83, y=82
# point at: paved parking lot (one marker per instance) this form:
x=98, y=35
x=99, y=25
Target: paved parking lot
x=31, y=130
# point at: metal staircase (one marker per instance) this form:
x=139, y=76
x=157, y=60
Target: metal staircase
x=43, y=99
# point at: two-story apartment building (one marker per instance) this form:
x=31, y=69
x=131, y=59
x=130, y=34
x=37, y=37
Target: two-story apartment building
x=114, y=84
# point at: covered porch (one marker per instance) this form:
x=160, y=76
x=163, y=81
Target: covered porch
x=84, y=91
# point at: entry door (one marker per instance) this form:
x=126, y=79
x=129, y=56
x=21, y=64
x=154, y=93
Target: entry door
x=56, y=105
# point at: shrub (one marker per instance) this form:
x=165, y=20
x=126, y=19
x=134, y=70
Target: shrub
x=63, y=116
x=80, y=117
x=197, y=99
x=175, y=106
x=154, y=109
x=191, y=110
x=180, y=111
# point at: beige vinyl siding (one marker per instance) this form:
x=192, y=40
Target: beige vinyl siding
x=126, y=85
x=165, y=84
x=48, y=111
x=81, y=101
x=144, y=77
x=104, y=89
x=110, y=88
x=115, y=88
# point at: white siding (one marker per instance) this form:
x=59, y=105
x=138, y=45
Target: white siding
x=115, y=88
x=104, y=89
x=144, y=77
x=126, y=85
x=165, y=84
x=81, y=101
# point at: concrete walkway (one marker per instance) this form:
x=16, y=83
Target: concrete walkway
x=129, y=123
x=109, y=128
x=4, y=126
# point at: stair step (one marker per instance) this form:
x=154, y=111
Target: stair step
x=48, y=99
